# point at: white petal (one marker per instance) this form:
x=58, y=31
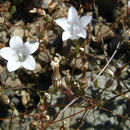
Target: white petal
x=62, y=23
x=31, y=47
x=74, y=37
x=85, y=20
x=29, y=63
x=15, y=42
x=128, y=4
x=12, y=65
x=72, y=15
x=7, y=53
x=66, y=35
x=82, y=33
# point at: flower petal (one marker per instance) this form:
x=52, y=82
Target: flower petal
x=85, y=20
x=74, y=37
x=12, y=65
x=62, y=23
x=82, y=33
x=29, y=63
x=15, y=43
x=31, y=47
x=66, y=35
x=8, y=54
x=72, y=15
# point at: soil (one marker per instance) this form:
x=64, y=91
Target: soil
x=33, y=100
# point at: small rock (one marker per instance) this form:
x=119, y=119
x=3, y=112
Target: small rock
x=38, y=68
x=16, y=101
x=13, y=83
x=79, y=62
x=25, y=97
x=3, y=74
x=101, y=81
x=17, y=31
x=42, y=3
x=9, y=92
x=4, y=99
x=3, y=35
x=101, y=30
x=46, y=3
x=43, y=57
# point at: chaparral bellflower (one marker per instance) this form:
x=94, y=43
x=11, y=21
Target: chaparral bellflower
x=19, y=54
x=73, y=26
x=129, y=7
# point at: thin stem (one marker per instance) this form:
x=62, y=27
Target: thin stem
x=75, y=99
x=105, y=109
x=81, y=120
x=49, y=123
x=3, y=84
x=109, y=100
x=75, y=60
x=8, y=25
x=10, y=123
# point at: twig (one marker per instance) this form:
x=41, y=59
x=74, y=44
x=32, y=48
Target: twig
x=10, y=25
x=109, y=100
x=90, y=107
x=105, y=109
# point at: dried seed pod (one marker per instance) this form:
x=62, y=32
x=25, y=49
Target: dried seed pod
x=56, y=76
x=108, y=83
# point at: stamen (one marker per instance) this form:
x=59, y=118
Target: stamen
x=21, y=57
x=75, y=29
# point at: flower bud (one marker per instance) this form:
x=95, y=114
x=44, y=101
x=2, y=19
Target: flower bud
x=47, y=95
x=108, y=83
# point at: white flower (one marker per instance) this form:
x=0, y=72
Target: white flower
x=74, y=27
x=129, y=7
x=19, y=54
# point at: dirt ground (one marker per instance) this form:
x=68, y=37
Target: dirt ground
x=90, y=90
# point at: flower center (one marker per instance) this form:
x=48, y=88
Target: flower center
x=21, y=57
x=75, y=29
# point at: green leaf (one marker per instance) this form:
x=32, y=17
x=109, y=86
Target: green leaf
x=13, y=10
